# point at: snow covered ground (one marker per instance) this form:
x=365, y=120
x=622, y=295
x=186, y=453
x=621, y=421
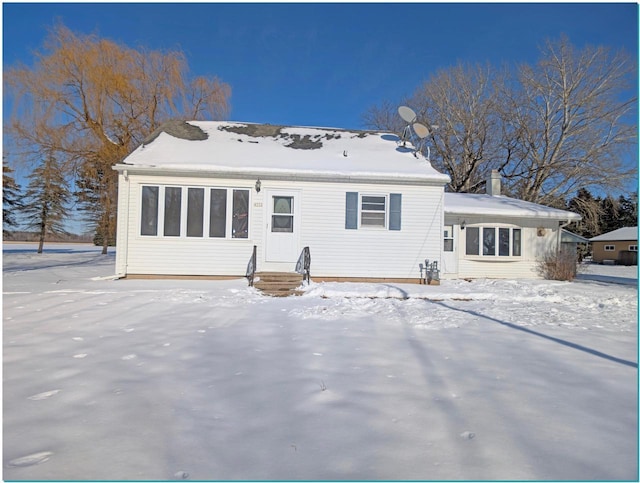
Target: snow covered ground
x=169, y=380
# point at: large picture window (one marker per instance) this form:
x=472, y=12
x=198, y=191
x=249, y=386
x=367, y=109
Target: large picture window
x=202, y=213
x=496, y=241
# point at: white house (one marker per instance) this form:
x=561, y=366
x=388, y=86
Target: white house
x=494, y=236
x=195, y=198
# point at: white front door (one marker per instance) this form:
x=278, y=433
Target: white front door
x=283, y=226
x=449, y=250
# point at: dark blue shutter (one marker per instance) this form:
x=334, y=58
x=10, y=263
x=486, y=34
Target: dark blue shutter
x=395, y=211
x=351, y=215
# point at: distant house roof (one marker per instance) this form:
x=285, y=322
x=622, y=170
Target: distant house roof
x=248, y=149
x=629, y=233
x=482, y=204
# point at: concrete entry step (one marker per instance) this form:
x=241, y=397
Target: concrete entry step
x=278, y=284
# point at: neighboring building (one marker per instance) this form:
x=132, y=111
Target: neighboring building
x=617, y=246
x=494, y=236
x=196, y=198
x=569, y=243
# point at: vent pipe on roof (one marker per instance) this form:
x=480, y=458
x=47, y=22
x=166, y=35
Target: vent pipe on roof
x=493, y=183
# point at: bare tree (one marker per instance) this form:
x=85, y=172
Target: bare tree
x=462, y=102
x=384, y=117
x=568, y=123
x=459, y=106
x=91, y=100
x=565, y=124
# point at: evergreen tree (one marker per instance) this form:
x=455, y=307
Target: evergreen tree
x=45, y=206
x=610, y=219
x=10, y=199
x=628, y=212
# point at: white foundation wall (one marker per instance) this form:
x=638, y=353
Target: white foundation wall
x=539, y=237
x=335, y=251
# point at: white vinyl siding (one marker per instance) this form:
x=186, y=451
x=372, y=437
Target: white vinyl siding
x=368, y=252
x=525, y=246
x=335, y=252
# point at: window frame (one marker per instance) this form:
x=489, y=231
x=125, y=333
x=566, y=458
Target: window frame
x=609, y=248
x=447, y=236
x=633, y=248
x=493, y=251
x=184, y=212
x=361, y=211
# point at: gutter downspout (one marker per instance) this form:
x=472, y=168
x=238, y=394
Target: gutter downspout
x=561, y=226
x=125, y=223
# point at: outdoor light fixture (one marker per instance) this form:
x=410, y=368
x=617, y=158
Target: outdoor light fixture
x=258, y=185
x=463, y=225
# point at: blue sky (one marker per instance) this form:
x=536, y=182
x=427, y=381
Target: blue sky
x=324, y=64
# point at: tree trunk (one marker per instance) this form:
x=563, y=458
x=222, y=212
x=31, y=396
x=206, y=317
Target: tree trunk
x=41, y=237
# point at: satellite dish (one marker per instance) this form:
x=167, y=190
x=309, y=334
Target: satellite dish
x=407, y=114
x=421, y=130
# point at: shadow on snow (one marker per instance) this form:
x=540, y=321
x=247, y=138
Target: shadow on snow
x=544, y=336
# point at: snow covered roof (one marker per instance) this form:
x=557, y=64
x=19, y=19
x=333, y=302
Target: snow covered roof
x=482, y=204
x=299, y=152
x=625, y=234
x=568, y=237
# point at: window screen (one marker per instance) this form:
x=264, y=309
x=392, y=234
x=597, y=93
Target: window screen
x=149, y=221
x=488, y=241
x=373, y=211
x=218, y=213
x=172, y=208
x=473, y=241
x=195, y=212
x=240, y=222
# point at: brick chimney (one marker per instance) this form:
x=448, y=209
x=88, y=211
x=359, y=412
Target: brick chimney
x=493, y=183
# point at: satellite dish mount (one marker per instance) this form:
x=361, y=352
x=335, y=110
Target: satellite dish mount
x=413, y=130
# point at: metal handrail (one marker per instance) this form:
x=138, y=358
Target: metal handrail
x=251, y=267
x=303, y=265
